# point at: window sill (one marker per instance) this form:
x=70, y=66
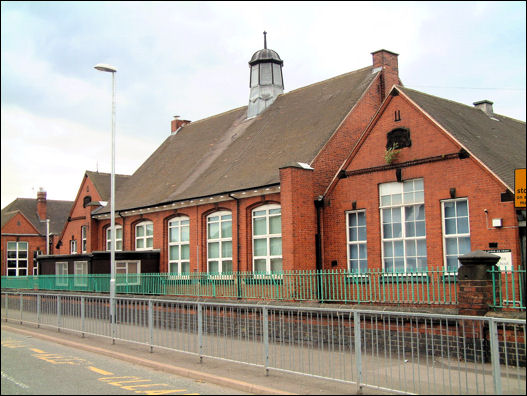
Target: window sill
x=417, y=278
x=199, y=278
x=404, y=278
x=219, y=278
x=449, y=277
x=357, y=278
x=178, y=277
x=264, y=279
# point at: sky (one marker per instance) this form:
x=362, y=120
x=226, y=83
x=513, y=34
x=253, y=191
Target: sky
x=191, y=59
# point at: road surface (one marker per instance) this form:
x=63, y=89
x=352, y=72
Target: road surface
x=34, y=366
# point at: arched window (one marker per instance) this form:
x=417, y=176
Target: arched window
x=144, y=236
x=219, y=243
x=179, y=245
x=267, y=239
x=118, y=238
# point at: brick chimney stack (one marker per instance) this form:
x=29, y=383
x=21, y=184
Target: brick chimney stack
x=41, y=204
x=176, y=123
x=390, y=69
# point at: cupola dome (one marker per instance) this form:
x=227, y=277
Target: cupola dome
x=265, y=55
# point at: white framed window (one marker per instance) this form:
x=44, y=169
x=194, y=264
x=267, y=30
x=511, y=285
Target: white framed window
x=73, y=246
x=357, y=248
x=403, y=226
x=456, y=231
x=17, y=258
x=219, y=243
x=83, y=239
x=144, y=236
x=118, y=238
x=80, y=272
x=179, y=245
x=61, y=272
x=127, y=272
x=267, y=239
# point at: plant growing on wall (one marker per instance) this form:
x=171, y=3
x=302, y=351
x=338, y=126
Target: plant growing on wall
x=391, y=154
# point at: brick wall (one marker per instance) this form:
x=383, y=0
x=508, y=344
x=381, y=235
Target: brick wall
x=390, y=76
x=474, y=297
x=298, y=219
x=467, y=176
x=337, y=149
x=80, y=215
x=20, y=225
x=198, y=230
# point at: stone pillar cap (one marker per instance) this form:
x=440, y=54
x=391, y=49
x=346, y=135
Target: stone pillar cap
x=479, y=257
x=475, y=265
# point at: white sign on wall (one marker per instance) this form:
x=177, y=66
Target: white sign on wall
x=505, y=263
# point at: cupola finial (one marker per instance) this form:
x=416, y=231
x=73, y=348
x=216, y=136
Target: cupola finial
x=265, y=39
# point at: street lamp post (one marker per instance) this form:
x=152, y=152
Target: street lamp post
x=111, y=69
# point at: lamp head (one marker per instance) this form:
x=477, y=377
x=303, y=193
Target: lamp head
x=104, y=67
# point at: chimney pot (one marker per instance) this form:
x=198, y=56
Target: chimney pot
x=485, y=106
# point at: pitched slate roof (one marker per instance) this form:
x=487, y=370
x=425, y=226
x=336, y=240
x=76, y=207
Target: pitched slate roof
x=228, y=152
x=102, y=182
x=497, y=141
x=57, y=212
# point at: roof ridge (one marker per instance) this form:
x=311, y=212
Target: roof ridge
x=329, y=79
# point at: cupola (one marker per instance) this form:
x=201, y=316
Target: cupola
x=266, y=81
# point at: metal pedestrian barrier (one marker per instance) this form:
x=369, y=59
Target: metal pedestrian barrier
x=380, y=350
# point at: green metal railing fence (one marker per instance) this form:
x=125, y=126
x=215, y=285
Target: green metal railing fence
x=434, y=287
x=508, y=288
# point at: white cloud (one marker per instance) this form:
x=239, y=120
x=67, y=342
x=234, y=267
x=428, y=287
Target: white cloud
x=31, y=157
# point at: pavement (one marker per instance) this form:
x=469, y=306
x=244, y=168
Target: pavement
x=246, y=378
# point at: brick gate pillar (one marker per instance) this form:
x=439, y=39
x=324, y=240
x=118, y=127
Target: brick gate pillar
x=475, y=282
